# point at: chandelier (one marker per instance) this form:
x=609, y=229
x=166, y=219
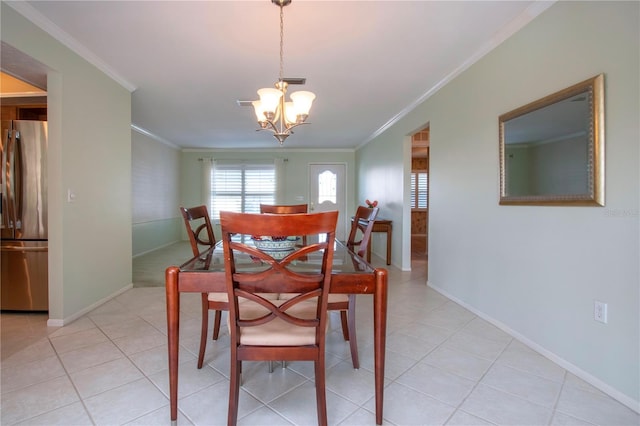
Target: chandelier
x=273, y=111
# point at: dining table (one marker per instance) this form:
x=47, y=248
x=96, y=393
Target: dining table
x=350, y=275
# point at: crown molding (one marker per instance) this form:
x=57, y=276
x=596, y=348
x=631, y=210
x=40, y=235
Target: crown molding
x=528, y=15
x=57, y=33
x=147, y=133
x=262, y=150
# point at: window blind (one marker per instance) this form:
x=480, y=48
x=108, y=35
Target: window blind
x=242, y=187
x=419, y=194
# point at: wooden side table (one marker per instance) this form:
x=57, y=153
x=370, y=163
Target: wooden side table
x=381, y=225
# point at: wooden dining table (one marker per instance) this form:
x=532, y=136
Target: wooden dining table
x=350, y=275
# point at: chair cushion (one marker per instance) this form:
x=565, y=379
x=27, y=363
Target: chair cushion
x=287, y=296
x=218, y=297
x=277, y=332
x=335, y=298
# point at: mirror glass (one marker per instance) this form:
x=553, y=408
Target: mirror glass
x=552, y=150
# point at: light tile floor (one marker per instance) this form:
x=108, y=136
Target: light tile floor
x=444, y=366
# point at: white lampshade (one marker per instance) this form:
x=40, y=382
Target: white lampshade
x=259, y=110
x=302, y=101
x=290, y=112
x=270, y=99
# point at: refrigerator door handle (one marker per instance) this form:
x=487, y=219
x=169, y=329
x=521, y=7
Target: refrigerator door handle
x=8, y=193
x=24, y=249
x=16, y=197
x=3, y=171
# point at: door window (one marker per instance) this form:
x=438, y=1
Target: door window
x=327, y=187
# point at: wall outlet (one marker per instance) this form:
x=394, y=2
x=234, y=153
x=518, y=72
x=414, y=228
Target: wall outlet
x=600, y=311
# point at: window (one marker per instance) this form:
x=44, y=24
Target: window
x=419, y=187
x=327, y=187
x=241, y=187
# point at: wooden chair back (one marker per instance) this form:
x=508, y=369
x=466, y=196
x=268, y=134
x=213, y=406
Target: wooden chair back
x=274, y=329
x=361, y=227
x=200, y=232
x=199, y=229
x=283, y=208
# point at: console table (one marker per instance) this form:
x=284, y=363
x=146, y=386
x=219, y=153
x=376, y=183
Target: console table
x=381, y=225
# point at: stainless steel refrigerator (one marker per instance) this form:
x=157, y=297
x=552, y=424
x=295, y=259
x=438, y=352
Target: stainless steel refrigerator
x=24, y=248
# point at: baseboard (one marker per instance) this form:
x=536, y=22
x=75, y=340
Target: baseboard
x=587, y=377
x=72, y=318
x=156, y=248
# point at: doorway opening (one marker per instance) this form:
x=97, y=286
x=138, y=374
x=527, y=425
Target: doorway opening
x=420, y=197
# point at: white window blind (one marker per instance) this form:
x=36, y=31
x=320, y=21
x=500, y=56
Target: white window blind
x=419, y=185
x=241, y=187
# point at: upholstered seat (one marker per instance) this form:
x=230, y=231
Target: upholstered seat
x=277, y=332
x=218, y=297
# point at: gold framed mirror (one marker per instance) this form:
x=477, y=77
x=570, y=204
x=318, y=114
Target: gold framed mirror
x=552, y=150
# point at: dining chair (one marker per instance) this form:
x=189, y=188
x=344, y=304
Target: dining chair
x=285, y=209
x=263, y=329
x=358, y=241
x=197, y=222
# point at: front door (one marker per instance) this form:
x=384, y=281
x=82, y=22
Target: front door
x=327, y=192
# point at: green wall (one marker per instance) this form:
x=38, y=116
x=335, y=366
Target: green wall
x=161, y=184
x=295, y=171
x=155, y=193
x=90, y=154
x=533, y=271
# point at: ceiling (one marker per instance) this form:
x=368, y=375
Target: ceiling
x=187, y=63
x=13, y=87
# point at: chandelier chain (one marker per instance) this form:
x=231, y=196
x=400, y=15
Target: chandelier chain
x=272, y=110
x=281, y=41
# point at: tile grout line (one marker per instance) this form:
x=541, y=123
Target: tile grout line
x=75, y=388
x=439, y=345
x=124, y=355
x=475, y=386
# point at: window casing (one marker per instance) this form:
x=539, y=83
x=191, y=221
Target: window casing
x=241, y=188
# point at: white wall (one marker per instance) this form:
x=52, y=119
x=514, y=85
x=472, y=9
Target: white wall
x=89, y=152
x=535, y=271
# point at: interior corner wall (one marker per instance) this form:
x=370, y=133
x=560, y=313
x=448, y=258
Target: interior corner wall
x=380, y=176
x=156, y=194
x=89, y=154
x=537, y=270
